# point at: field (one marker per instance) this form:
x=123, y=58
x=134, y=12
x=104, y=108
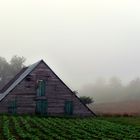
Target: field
x=47, y=128
x=122, y=107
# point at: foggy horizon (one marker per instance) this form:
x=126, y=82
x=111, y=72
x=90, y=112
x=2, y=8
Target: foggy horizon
x=80, y=40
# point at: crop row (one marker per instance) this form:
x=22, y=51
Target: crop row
x=38, y=128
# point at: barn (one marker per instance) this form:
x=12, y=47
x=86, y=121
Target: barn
x=38, y=90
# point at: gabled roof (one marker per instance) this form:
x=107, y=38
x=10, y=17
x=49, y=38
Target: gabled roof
x=22, y=74
x=17, y=79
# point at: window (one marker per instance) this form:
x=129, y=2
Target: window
x=12, y=108
x=68, y=107
x=41, y=89
x=29, y=78
x=41, y=107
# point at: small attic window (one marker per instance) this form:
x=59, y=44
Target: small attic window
x=28, y=86
x=29, y=78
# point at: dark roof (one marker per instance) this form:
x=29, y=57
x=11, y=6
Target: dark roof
x=13, y=79
x=17, y=79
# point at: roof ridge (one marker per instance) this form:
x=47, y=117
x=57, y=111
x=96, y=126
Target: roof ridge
x=19, y=79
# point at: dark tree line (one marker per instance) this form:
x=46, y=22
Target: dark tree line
x=112, y=90
x=9, y=69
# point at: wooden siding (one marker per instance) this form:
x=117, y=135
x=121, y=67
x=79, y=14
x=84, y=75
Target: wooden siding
x=56, y=94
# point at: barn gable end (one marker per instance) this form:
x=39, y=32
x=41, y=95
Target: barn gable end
x=57, y=98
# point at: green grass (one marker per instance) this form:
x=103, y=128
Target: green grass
x=47, y=128
x=135, y=121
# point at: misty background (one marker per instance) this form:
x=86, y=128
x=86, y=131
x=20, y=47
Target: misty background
x=86, y=43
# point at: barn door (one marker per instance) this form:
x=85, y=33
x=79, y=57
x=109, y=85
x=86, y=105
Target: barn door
x=41, y=107
x=68, y=107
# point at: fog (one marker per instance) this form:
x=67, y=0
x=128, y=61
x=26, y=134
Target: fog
x=112, y=90
x=80, y=40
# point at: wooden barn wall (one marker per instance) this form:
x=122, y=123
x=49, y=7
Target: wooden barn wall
x=56, y=94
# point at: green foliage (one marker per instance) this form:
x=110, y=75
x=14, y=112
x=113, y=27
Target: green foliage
x=134, y=121
x=6, y=131
x=86, y=100
x=46, y=128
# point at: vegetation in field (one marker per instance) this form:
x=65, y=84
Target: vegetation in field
x=135, y=121
x=47, y=128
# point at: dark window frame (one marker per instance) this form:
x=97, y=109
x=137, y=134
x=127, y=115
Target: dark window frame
x=28, y=78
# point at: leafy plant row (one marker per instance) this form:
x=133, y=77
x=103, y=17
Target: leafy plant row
x=38, y=128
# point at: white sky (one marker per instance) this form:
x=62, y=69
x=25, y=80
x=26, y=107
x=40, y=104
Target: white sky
x=80, y=39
